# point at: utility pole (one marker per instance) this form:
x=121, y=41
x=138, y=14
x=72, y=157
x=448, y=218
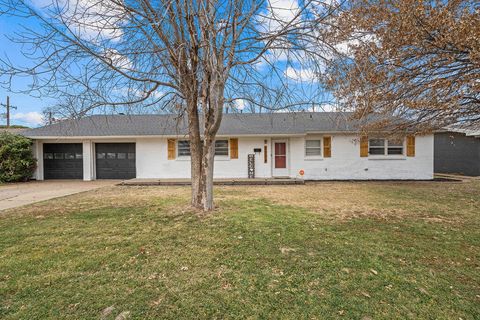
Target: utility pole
x=8, y=112
x=8, y=107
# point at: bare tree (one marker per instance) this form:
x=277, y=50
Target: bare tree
x=190, y=57
x=416, y=60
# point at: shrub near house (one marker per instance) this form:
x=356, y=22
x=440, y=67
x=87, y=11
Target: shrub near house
x=16, y=158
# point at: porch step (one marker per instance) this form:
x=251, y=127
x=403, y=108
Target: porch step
x=224, y=182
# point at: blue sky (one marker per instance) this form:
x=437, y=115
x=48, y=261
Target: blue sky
x=29, y=107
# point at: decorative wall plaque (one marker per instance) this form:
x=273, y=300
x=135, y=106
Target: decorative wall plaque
x=251, y=166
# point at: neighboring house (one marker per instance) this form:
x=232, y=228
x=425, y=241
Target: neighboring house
x=313, y=146
x=457, y=151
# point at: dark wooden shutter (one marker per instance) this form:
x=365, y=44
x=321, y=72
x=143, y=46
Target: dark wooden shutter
x=364, y=146
x=327, y=147
x=410, y=146
x=171, y=149
x=234, y=148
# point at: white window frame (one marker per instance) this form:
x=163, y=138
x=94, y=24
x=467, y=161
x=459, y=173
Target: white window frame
x=227, y=156
x=385, y=148
x=320, y=147
x=178, y=149
x=224, y=156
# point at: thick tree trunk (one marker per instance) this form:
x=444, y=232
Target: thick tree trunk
x=202, y=176
x=208, y=164
x=203, y=151
x=197, y=179
x=196, y=152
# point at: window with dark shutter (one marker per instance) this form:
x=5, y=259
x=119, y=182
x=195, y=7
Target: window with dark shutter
x=385, y=147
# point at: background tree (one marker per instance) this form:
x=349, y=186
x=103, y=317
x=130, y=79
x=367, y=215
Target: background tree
x=191, y=57
x=419, y=60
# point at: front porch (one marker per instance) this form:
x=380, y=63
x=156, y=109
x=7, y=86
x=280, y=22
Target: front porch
x=224, y=182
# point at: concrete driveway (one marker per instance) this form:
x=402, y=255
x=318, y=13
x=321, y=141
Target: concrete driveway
x=18, y=194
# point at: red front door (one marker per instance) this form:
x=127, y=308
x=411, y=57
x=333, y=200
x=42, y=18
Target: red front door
x=280, y=155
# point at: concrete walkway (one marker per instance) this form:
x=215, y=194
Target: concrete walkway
x=18, y=194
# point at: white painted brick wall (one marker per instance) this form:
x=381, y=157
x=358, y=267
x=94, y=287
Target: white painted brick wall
x=345, y=162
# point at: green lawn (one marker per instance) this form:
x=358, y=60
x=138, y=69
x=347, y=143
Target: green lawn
x=319, y=251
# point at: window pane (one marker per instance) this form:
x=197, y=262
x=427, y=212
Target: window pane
x=312, y=148
x=131, y=155
x=313, y=152
x=48, y=156
x=395, y=142
x=221, y=147
x=78, y=156
x=312, y=143
x=121, y=155
x=184, y=152
x=184, y=144
x=58, y=155
x=377, y=142
x=101, y=155
x=221, y=152
x=110, y=155
x=183, y=148
x=377, y=151
x=395, y=150
x=221, y=143
x=69, y=156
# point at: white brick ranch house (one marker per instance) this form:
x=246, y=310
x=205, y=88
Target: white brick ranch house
x=312, y=146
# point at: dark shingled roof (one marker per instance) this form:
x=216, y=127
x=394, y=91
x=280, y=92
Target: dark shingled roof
x=169, y=125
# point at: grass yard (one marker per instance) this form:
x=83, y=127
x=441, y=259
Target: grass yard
x=377, y=250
